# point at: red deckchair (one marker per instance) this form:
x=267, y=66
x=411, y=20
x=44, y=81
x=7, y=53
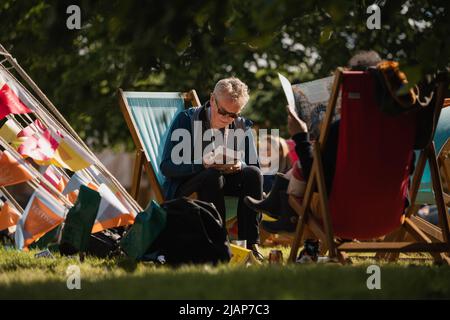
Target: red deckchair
x=374, y=159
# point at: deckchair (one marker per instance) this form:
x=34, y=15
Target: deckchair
x=148, y=116
x=371, y=178
x=444, y=164
x=425, y=194
x=432, y=231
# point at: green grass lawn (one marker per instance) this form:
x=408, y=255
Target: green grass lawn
x=25, y=277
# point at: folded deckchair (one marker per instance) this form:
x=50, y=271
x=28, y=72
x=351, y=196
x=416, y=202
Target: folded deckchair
x=367, y=199
x=442, y=133
x=444, y=164
x=433, y=231
x=148, y=116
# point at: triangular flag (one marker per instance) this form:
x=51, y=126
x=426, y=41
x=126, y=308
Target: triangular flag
x=9, y=130
x=37, y=144
x=111, y=212
x=9, y=216
x=12, y=171
x=71, y=155
x=56, y=179
x=42, y=214
x=79, y=222
x=77, y=180
x=9, y=100
x=16, y=87
x=53, y=176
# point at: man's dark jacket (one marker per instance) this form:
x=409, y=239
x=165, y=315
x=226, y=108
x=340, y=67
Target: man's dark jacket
x=176, y=174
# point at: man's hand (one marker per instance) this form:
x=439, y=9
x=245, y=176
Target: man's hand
x=295, y=124
x=224, y=168
x=230, y=168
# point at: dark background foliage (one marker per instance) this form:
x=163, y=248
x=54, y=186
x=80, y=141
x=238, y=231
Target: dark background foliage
x=178, y=45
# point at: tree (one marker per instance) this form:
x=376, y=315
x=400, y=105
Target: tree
x=178, y=45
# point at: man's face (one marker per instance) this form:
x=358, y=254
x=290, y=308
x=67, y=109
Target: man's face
x=223, y=110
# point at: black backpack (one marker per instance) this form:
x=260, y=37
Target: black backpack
x=194, y=233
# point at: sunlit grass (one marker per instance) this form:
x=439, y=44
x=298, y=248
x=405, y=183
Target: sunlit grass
x=24, y=276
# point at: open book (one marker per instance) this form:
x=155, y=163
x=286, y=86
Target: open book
x=309, y=100
x=222, y=155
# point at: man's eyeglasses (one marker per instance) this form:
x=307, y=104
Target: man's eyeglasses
x=224, y=112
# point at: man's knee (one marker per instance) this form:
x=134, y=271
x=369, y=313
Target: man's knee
x=253, y=174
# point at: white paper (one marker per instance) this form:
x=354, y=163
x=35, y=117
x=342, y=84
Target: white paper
x=222, y=155
x=317, y=91
x=287, y=88
x=311, y=99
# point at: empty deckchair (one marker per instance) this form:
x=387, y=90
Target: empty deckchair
x=148, y=116
x=371, y=179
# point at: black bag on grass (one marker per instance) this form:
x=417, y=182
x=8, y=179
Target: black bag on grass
x=194, y=233
x=104, y=244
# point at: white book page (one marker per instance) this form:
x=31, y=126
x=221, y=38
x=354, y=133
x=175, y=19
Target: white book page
x=287, y=88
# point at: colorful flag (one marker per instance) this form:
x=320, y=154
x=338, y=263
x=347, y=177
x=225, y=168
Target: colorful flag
x=71, y=155
x=37, y=144
x=9, y=130
x=12, y=170
x=77, y=180
x=42, y=214
x=56, y=179
x=53, y=176
x=9, y=216
x=111, y=212
x=9, y=99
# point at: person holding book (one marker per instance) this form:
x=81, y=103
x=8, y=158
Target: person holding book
x=276, y=203
x=221, y=159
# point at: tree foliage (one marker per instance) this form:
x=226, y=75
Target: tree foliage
x=178, y=45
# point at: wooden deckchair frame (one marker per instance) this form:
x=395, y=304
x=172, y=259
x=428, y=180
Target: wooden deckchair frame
x=444, y=165
x=432, y=231
x=424, y=243
x=142, y=161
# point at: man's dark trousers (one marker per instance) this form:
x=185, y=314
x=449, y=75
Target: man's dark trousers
x=212, y=185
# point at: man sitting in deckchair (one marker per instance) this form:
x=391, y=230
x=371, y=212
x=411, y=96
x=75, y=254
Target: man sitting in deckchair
x=210, y=127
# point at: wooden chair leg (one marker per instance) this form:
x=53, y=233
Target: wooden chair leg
x=392, y=237
x=438, y=194
x=137, y=172
x=420, y=236
x=298, y=237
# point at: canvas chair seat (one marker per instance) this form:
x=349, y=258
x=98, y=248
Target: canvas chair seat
x=153, y=113
x=442, y=133
x=149, y=116
x=374, y=156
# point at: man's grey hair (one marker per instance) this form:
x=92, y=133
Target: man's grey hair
x=234, y=89
x=364, y=59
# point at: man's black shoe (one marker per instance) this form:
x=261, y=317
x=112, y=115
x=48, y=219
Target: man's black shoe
x=272, y=203
x=284, y=224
